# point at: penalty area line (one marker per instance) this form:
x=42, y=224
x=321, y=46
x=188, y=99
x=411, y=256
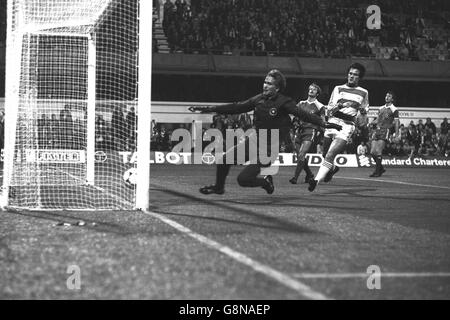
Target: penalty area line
x=276, y=275
x=396, y=182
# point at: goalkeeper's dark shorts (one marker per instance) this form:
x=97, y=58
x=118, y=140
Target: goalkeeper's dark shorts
x=381, y=134
x=306, y=134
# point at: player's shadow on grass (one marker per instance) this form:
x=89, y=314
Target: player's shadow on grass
x=274, y=222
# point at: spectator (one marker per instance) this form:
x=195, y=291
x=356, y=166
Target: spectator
x=409, y=149
x=118, y=128
x=41, y=127
x=100, y=133
x=443, y=137
x=362, y=149
x=2, y=130
x=131, y=121
x=55, y=132
x=431, y=125
x=66, y=127
x=168, y=11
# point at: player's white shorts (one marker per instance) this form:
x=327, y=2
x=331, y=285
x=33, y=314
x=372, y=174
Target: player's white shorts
x=345, y=133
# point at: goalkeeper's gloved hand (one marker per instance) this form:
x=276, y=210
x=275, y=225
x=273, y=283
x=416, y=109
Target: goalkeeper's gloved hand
x=329, y=125
x=201, y=109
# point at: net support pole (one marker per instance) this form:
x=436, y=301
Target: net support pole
x=90, y=112
x=14, y=49
x=144, y=104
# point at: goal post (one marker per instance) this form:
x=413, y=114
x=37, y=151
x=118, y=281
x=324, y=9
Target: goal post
x=78, y=81
x=144, y=106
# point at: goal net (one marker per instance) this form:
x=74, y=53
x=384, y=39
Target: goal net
x=72, y=104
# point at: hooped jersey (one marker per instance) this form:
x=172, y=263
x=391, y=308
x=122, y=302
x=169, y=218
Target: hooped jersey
x=357, y=96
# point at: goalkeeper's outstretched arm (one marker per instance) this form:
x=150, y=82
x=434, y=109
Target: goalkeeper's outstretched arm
x=229, y=108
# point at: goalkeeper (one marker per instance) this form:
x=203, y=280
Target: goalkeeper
x=271, y=112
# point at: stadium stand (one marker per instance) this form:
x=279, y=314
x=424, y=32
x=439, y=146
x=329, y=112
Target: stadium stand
x=416, y=30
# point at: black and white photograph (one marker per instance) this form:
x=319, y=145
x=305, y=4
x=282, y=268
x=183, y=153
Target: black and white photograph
x=224, y=155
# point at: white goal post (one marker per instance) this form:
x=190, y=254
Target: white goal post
x=78, y=93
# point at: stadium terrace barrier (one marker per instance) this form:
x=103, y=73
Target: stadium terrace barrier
x=301, y=67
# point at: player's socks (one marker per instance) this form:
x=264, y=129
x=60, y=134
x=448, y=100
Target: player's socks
x=221, y=175
x=308, y=171
x=268, y=184
x=382, y=170
x=378, y=166
x=331, y=173
x=299, y=168
x=325, y=167
x=308, y=177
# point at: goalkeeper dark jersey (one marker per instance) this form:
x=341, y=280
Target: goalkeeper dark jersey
x=270, y=112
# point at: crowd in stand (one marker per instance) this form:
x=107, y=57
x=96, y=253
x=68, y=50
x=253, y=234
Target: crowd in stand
x=421, y=139
x=64, y=132
x=304, y=28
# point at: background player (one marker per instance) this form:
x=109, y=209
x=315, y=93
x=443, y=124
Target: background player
x=386, y=119
x=271, y=112
x=345, y=102
x=307, y=132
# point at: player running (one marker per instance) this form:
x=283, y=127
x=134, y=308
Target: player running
x=345, y=102
x=386, y=119
x=271, y=112
x=307, y=132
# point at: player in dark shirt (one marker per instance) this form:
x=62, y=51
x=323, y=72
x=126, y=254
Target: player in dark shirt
x=271, y=112
x=386, y=119
x=307, y=132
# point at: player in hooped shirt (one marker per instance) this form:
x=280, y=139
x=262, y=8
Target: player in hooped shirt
x=307, y=132
x=345, y=102
x=387, y=119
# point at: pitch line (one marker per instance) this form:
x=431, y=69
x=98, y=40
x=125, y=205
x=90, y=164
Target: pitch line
x=119, y=199
x=397, y=182
x=366, y=275
x=278, y=276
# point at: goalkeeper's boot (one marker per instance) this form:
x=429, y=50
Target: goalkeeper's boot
x=212, y=189
x=330, y=174
x=312, y=185
x=308, y=177
x=268, y=186
x=378, y=172
x=293, y=180
x=375, y=174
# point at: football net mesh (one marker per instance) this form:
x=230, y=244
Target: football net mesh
x=71, y=93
